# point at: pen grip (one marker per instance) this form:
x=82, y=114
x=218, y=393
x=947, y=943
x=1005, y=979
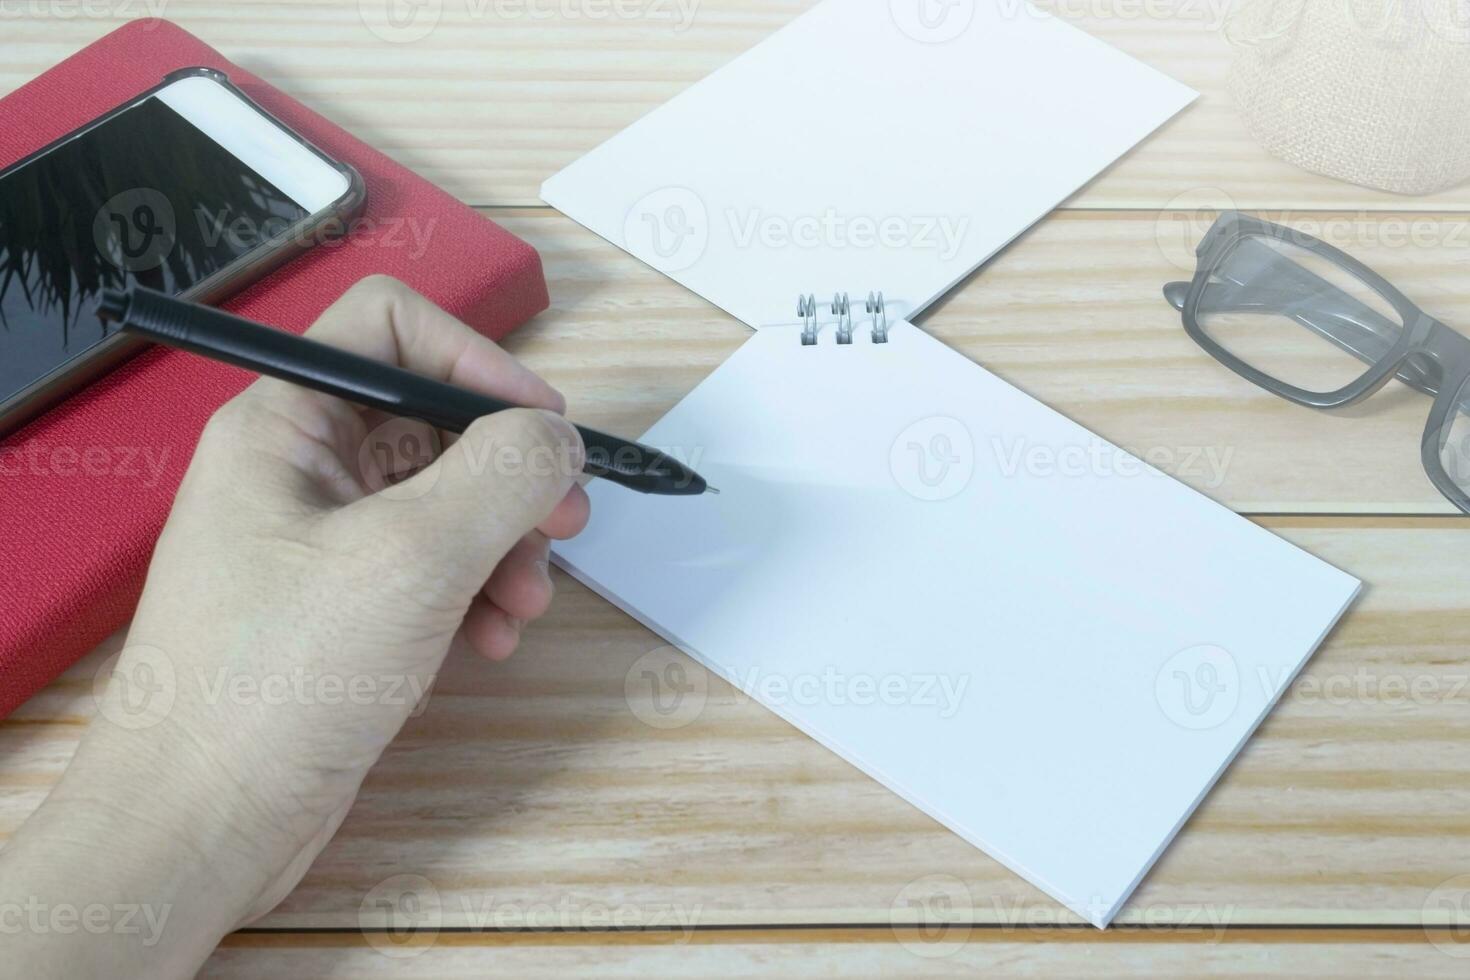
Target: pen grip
x=305, y=362
x=364, y=381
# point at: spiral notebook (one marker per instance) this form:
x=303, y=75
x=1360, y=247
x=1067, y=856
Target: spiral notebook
x=1024, y=631
x=1031, y=635
x=864, y=143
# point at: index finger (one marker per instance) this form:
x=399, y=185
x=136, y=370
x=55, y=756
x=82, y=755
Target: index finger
x=384, y=319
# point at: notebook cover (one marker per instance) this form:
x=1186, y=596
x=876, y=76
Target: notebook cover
x=856, y=149
x=1033, y=636
x=87, y=486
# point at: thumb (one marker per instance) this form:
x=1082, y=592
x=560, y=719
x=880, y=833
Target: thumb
x=453, y=521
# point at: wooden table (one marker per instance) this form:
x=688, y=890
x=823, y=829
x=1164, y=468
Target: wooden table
x=559, y=835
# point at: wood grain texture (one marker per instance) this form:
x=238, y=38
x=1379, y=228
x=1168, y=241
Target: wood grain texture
x=856, y=953
x=500, y=94
x=1073, y=314
x=532, y=793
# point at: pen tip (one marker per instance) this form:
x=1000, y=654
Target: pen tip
x=709, y=489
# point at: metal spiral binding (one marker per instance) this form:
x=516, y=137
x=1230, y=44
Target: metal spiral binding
x=842, y=309
x=806, y=308
x=806, y=311
x=880, y=318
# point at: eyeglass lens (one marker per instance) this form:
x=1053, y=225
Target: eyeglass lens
x=1295, y=315
x=1454, y=449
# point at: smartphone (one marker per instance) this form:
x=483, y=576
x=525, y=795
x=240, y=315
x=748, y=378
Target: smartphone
x=191, y=189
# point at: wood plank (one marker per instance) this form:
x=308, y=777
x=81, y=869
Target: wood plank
x=531, y=793
x=500, y=94
x=1073, y=314
x=534, y=788
x=1044, y=952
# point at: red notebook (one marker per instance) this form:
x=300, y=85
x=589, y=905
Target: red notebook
x=85, y=488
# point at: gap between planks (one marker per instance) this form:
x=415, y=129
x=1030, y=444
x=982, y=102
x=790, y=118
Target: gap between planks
x=854, y=935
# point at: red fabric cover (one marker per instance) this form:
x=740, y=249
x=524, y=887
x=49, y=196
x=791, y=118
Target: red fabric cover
x=80, y=503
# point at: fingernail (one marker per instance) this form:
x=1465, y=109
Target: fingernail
x=575, y=452
x=545, y=569
x=518, y=625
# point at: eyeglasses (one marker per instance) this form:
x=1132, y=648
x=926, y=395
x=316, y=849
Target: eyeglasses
x=1310, y=323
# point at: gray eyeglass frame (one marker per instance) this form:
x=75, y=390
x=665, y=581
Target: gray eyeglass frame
x=1423, y=353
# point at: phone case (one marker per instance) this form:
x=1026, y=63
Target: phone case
x=51, y=389
x=85, y=487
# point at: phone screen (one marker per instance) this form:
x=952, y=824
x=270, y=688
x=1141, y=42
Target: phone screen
x=144, y=197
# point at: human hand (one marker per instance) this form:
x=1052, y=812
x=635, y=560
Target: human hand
x=293, y=617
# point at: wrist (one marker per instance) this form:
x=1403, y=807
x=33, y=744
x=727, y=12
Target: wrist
x=124, y=870
x=96, y=890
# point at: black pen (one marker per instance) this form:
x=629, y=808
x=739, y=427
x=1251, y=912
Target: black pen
x=364, y=381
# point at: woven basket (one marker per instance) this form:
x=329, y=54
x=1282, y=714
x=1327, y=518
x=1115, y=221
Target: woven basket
x=1376, y=92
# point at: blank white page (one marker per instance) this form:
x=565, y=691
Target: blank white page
x=1027, y=633
x=863, y=148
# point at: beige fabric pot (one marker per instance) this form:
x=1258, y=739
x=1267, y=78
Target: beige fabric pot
x=1376, y=92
